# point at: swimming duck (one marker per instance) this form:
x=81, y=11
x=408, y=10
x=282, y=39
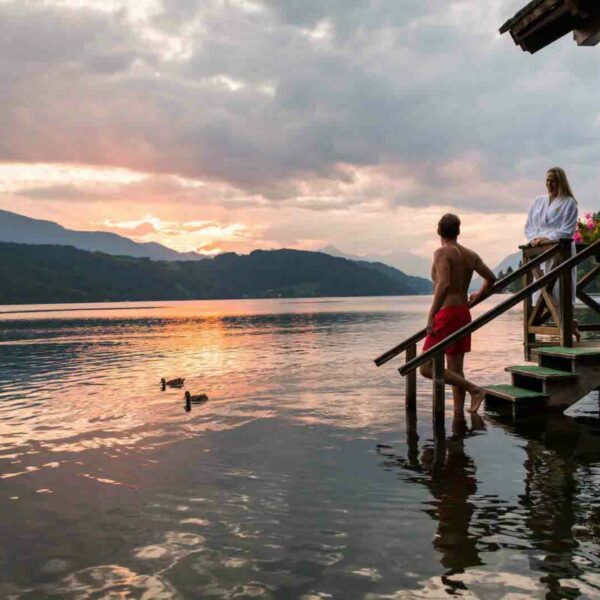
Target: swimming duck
x=178, y=382
x=195, y=398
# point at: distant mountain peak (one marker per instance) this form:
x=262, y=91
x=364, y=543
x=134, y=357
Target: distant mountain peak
x=20, y=229
x=400, y=259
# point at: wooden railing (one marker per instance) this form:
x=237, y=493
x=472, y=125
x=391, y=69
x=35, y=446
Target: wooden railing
x=536, y=316
x=561, y=252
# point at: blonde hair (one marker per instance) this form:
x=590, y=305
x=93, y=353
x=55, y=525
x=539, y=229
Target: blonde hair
x=564, y=189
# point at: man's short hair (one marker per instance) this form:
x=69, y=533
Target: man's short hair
x=449, y=226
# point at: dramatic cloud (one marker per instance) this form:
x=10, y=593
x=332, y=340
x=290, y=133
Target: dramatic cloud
x=278, y=114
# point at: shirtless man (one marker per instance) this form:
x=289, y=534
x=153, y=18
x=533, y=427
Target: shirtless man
x=451, y=273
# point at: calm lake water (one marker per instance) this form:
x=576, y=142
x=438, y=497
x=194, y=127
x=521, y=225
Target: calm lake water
x=275, y=487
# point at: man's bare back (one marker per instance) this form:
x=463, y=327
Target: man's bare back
x=454, y=265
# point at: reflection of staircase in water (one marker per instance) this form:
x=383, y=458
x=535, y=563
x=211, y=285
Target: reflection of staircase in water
x=562, y=377
x=552, y=524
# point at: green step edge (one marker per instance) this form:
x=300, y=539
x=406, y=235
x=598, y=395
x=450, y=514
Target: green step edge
x=567, y=352
x=543, y=373
x=511, y=392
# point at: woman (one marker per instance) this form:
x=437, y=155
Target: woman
x=552, y=217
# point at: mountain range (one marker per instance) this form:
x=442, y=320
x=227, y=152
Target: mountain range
x=406, y=261
x=25, y=230
x=46, y=274
x=20, y=229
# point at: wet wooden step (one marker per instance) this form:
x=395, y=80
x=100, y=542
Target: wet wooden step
x=564, y=352
x=512, y=393
x=543, y=373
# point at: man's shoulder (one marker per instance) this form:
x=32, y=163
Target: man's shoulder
x=441, y=252
x=469, y=251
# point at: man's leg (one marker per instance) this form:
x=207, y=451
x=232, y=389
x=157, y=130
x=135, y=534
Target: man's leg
x=454, y=363
x=450, y=378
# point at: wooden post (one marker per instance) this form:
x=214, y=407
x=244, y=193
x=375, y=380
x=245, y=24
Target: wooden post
x=439, y=401
x=439, y=439
x=528, y=338
x=412, y=437
x=566, y=298
x=411, y=381
x=439, y=395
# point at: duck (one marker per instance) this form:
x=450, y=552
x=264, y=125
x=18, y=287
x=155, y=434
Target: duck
x=177, y=382
x=195, y=398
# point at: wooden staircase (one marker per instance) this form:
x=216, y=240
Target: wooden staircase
x=564, y=374
x=562, y=377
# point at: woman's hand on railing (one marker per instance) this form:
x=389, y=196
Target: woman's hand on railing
x=538, y=241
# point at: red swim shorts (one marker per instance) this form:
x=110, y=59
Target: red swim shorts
x=448, y=320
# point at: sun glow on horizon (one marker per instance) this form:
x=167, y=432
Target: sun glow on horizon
x=200, y=236
x=120, y=194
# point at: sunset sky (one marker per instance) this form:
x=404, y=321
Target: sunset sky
x=231, y=125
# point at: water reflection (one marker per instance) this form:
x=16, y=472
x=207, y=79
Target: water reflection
x=555, y=520
x=449, y=473
x=558, y=491
x=269, y=489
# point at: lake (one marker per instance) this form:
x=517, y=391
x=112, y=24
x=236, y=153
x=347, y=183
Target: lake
x=275, y=487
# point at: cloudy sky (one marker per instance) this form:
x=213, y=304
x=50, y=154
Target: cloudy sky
x=217, y=125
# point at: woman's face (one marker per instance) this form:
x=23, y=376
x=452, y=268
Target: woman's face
x=551, y=183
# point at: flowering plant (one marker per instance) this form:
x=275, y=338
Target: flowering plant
x=587, y=230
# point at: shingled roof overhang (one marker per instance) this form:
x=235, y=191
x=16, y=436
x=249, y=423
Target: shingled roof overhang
x=542, y=22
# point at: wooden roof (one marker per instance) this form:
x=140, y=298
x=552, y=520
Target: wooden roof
x=542, y=22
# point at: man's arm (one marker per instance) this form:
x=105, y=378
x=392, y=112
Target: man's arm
x=442, y=284
x=488, y=279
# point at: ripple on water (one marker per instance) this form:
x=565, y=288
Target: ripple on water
x=112, y=581
x=151, y=552
x=367, y=572
x=278, y=470
x=194, y=521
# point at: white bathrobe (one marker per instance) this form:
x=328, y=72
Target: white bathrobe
x=554, y=221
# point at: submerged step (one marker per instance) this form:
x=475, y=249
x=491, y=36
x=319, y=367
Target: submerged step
x=512, y=393
x=564, y=352
x=543, y=373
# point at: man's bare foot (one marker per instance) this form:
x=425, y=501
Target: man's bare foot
x=477, y=422
x=476, y=399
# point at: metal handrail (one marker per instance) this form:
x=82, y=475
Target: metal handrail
x=500, y=308
x=498, y=286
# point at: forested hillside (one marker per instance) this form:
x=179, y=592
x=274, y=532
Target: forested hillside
x=45, y=274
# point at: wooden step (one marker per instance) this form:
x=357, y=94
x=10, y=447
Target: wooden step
x=543, y=373
x=513, y=394
x=564, y=352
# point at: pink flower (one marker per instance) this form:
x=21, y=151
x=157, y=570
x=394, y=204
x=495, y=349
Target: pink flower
x=577, y=237
x=589, y=216
x=591, y=225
